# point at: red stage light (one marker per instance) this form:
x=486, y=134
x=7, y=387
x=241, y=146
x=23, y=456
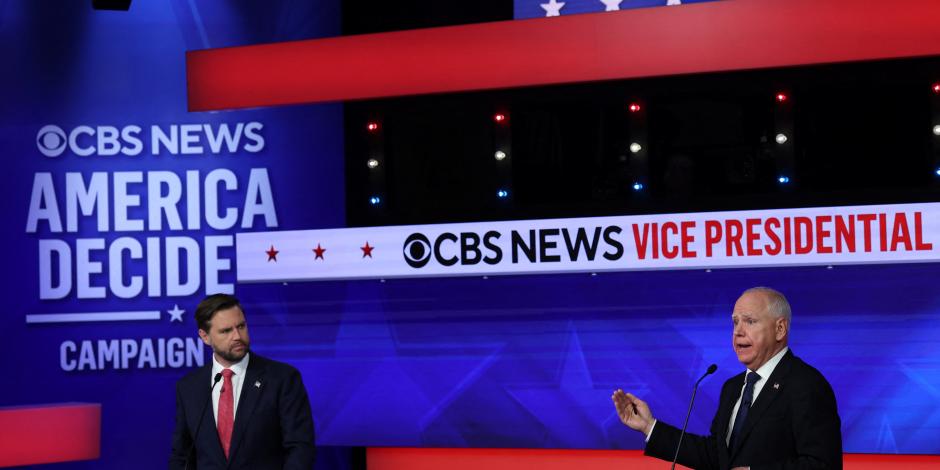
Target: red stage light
x=936, y=87
x=500, y=117
x=372, y=126
x=781, y=97
x=635, y=108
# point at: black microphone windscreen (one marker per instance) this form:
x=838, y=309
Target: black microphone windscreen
x=712, y=368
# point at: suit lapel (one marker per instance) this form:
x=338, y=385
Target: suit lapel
x=208, y=432
x=252, y=388
x=768, y=394
x=727, y=407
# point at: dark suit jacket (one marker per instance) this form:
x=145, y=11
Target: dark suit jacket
x=273, y=426
x=793, y=424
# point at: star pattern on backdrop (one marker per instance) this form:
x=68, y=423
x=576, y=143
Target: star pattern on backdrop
x=319, y=250
x=571, y=401
x=366, y=332
x=176, y=314
x=552, y=8
x=611, y=5
x=272, y=254
x=367, y=250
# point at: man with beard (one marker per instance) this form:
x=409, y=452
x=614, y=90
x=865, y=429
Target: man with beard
x=260, y=416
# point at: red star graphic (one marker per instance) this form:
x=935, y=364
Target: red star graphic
x=319, y=251
x=367, y=250
x=272, y=254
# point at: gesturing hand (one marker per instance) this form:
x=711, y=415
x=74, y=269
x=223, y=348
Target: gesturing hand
x=633, y=412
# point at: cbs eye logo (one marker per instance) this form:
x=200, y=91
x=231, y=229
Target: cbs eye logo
x=417, y=250
x=51, y=141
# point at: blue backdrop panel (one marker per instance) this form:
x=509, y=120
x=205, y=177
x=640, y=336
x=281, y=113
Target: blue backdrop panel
x=531, y=361
x=69, y=66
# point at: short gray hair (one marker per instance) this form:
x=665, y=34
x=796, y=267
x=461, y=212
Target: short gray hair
x=777, y=304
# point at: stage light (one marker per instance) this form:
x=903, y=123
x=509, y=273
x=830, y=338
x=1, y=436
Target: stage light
x=372, y=126
x=372, y=163
x=637, y=186
x=781, y=97
x=783, y=179
x=502, y=193
x=375, y=200
x=499, y=117
x=937, y=172
x=781, y=138
x=936, y=130
x=635, y=107
x=500, y=155
x=635, y=147
x=936, y=88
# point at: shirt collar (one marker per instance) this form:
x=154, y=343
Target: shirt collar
x=238, y=368
x=768, y=368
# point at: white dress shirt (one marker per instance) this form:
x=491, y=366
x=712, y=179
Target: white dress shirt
x=238, y=378
x=764, y=372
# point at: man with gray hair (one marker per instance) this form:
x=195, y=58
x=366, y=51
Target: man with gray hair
x=779, y=413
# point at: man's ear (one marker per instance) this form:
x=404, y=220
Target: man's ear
x=781, y=328
x=204, y=336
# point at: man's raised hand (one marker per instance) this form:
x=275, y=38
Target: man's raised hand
x=633, y=412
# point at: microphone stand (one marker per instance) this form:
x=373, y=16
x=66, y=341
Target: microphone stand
x=711, y=370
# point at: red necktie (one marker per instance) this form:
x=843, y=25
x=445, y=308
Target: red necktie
x=226, y=411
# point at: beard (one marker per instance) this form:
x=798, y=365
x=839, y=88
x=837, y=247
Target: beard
x=232, y=356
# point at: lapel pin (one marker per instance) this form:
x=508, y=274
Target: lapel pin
x=776, y=386
x=258, y=384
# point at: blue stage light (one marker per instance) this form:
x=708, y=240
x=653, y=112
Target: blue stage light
x=637, y=186
x=783, y=179
x=375, y=200
x=502, y=194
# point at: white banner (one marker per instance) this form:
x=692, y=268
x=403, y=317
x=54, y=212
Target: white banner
x=901, y=233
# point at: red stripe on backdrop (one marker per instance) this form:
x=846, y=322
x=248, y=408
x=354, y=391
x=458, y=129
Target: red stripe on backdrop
x=703, y=37
x=49, y=433
x=387, y=458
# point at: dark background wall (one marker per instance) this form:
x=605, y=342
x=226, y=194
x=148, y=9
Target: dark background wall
x=858, y=133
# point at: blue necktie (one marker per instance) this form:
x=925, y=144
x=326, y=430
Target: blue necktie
x=746, y=399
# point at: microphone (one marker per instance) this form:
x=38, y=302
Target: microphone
x=215, y=381
x=711, y=370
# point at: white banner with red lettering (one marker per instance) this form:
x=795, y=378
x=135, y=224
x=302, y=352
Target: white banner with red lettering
x=900, y=233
